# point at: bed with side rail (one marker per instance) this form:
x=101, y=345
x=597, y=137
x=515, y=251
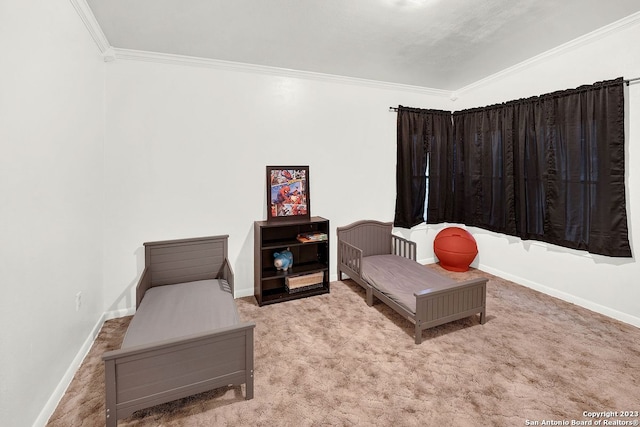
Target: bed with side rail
x=385, y=266
x=186, y=336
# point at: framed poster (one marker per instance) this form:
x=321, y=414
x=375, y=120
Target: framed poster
x=288, y=192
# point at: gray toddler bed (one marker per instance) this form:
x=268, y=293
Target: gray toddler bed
x=186, y=336
x=385, y=266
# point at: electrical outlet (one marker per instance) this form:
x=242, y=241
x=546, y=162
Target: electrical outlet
x=78, y=301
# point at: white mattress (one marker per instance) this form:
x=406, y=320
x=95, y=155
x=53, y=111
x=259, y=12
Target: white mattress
x=173, y=311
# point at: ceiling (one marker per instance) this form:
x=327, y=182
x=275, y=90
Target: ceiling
x=438, y=44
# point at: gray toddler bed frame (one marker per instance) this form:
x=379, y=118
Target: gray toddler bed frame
x=433, y=308
x=147, y=375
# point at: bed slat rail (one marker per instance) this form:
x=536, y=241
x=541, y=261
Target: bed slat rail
x=144, y=284
x=403, y=247
x=350, y=258
x=227, y=274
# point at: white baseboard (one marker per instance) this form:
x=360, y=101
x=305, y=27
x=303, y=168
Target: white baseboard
x=243, y=293
x=64, y=383
x=427, y=261
x=119, y=313
x=590, y=305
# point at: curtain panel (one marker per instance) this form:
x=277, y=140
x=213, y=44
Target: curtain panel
x=422, y=134
x=548, y=168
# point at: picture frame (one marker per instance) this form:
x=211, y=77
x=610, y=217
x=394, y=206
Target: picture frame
x=288, y=196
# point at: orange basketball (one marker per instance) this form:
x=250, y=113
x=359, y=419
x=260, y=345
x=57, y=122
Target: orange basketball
x=455, y=248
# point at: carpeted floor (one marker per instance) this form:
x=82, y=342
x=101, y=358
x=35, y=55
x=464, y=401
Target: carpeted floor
x=331, y=360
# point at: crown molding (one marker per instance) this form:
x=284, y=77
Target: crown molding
x=163, y=58
x=598, y=34
x=111, y=54
x=89, y=20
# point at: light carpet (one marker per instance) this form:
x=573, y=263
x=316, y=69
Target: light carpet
x=331, y=360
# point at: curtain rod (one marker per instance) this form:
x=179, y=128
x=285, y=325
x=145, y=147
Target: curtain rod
x=627, y=81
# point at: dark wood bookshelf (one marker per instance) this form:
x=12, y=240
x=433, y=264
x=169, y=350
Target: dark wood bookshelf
x=308, y=258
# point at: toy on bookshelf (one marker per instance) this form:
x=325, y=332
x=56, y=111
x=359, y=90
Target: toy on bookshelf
x=283, y=260
x=316, y=236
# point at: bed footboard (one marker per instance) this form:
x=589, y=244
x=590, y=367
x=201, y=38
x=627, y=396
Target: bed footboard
x=446, y=305
x=144, y=376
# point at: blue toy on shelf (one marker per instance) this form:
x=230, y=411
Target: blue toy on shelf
x=283, y=260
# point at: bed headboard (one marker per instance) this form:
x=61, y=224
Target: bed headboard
x=184, y=260
x=373, y=237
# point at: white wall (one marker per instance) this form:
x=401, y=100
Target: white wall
x=51, y=198
x=185, y=155
x=187, y=149
x=607, y=285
